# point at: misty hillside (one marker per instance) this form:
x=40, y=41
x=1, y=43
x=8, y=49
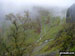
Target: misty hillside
x=36, y=28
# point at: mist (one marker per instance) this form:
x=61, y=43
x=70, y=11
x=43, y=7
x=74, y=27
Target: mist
x=19, y=6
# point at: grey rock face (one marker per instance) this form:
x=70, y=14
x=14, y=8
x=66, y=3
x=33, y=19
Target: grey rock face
x=70, y=16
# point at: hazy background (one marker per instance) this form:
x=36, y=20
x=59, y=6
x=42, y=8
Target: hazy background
x=19, y=6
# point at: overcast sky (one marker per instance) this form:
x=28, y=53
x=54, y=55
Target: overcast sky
x=61, y=3
x=17, y=5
